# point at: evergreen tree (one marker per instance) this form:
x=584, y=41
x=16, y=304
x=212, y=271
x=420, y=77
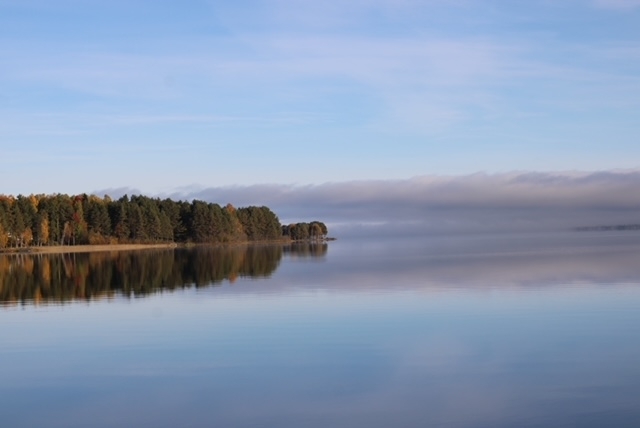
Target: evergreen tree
x=137, y=225
x=16, y=225
x=98, y=219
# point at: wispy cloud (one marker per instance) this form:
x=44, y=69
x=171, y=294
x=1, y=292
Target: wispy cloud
x=423, y=83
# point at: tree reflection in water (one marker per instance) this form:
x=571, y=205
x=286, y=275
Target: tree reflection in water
x=49, y=278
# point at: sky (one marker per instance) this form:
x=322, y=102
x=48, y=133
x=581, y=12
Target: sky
x=217, y=99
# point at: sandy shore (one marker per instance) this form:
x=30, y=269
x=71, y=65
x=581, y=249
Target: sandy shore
x=85, y=248
x=61, y=249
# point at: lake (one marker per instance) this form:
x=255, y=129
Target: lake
x=539, y=330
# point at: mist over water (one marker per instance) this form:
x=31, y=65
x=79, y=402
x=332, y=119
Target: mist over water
x=506, y=202
x=483, y=330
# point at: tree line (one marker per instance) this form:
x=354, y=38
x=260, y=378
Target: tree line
x=88, y=219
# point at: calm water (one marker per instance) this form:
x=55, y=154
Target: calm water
x=485, y=331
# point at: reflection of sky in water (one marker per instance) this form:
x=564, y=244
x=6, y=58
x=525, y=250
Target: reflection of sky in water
x=305, y=348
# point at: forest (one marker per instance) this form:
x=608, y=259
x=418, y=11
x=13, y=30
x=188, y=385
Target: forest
x=41, y=220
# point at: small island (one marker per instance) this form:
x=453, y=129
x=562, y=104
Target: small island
x=70, y=223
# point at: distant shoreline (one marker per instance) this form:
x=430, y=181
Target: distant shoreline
x=608, y=228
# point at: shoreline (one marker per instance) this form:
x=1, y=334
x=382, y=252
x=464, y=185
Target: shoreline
x=65, y=249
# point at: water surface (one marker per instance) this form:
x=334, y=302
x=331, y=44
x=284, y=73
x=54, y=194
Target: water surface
x=484, y=331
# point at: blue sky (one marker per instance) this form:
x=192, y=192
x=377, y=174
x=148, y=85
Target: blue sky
x=167, y=96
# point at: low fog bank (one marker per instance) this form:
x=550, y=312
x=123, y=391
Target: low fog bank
x=509, y=202
x=436, y=204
